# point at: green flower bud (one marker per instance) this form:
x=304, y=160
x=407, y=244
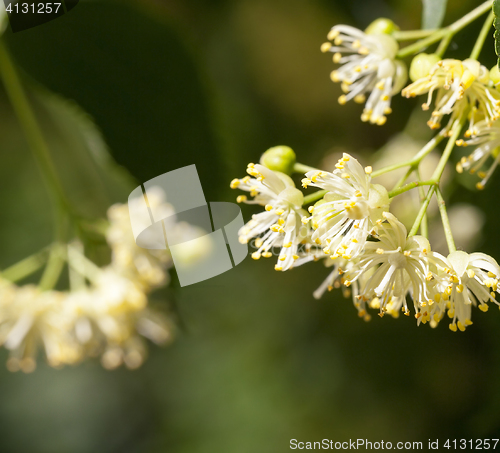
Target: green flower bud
x=421, y=65
x=279, y=158
x=381, y=26
x=495, y=75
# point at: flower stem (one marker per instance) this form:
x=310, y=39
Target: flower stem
x=438, y=172
x=76, y=280
x=390, y=168
x=443, y=45
x=414, y=161
x=422, y=44
x=81, y=264
x=403, y=179
x=422, y=212
x=424, y=230
x=301, y=168
x=57, y=255
x=26, y=267
x=407, y=187
x=314, y=196
x=446, y=221
x=27, y=119
x=54, y=267
x=449, y=30
x=408, y=35
x=478, y=46
x=436, y=176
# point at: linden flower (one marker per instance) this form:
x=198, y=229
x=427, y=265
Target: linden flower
x=111, y=317
x=344, y=218
x=117, y=293
x=487, y=136
x=399, y=264
x=280, y=224
x=367, y=68
x=31, y=319
x=469, y=280
x=458, y=85
x=103, y=305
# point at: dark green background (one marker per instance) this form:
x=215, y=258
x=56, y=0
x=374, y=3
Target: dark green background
x=257, y=360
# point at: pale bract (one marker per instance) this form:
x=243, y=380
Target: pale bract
x=368, y=72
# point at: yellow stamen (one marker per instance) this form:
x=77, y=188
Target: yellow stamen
x=325, y=47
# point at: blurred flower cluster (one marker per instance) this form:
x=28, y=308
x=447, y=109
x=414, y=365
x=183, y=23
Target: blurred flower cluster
x=88, y=293
x=105, y=313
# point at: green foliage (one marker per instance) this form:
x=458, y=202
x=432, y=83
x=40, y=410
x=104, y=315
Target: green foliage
x=433, y=13
x=91, y=179
x=496, y=23
x=136, y=77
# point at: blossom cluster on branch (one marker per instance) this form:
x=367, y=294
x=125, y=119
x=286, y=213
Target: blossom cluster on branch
x=347, y=224
x=104, y=313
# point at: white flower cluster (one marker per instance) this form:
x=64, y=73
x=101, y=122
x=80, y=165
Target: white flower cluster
x=372, y=256
x=279, y=226
x=371, y=73
x=105, y=313
x=346, y=215
x=464, y=89
x=459, y=86
x=370, y=253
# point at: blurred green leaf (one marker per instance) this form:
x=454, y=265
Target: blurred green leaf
x=133, y=72
x=433, y=13
x=91, y=179
x=89, y=175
